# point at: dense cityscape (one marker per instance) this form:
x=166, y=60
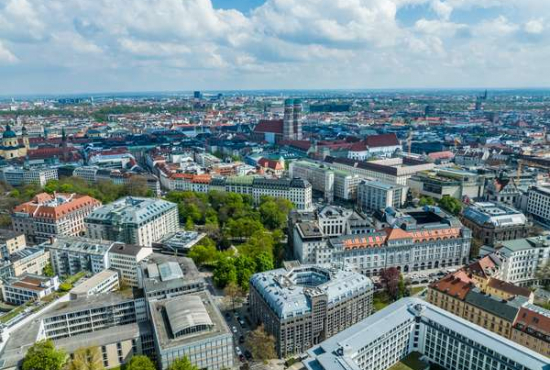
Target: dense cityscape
x=315, y=230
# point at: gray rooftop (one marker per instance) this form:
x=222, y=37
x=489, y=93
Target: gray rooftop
x=287, y=292
x=496, y=214
x=79, y=244
x=506, y=310
x=325, y=355
x=130, y=210
x=165, y=317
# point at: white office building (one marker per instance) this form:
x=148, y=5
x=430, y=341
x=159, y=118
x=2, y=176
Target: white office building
x=412, y=326
x=125, y=259
x=538, y=203
x=373, y=195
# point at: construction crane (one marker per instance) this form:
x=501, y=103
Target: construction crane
x=409, y=141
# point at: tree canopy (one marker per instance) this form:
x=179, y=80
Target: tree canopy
x=86, y=359
x=44, y=356
x=140, y=362
x=182, y=363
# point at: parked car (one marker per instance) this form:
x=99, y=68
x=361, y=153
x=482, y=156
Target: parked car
x=248, y=355
x=234, y=329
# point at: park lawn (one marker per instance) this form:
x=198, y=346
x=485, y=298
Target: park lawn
x=380, y=300
x=411, y=362
x=417, y=289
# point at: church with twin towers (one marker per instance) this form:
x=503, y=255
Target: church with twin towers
x=292, y=122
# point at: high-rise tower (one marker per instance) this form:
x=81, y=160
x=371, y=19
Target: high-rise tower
x=297, y=119
x=288, y=120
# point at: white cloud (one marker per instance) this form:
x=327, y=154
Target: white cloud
x=534, y=26
x=305, y=43
x=6, y=56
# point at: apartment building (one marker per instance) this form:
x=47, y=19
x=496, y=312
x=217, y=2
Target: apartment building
x=50, y=215
x=19, y=290
x=11, y=242
x=521, y=258
x=70, y=255
x=132, y=220
x=125, y=259
x=532, y=329
x=304, y=305
x=495, y=222
x=413, y=326
x=373, y=195
x=31, y=260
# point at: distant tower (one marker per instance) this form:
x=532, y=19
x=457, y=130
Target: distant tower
x=25, y=136
x=288, y=123
x=297, y=119
x=64, y=144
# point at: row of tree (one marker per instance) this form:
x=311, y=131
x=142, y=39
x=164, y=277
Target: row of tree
x=448, y=203
x=44, y=356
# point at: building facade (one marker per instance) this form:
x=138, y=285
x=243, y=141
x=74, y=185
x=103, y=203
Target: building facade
x=70, y=255
x=521, y=259
x=132, y=220
x=49, y=215
x=538, y=203
x=412, y=325
x=493, y=222
x=27, y=287
x=373, y=195
x=307, y=304
x=125, y=259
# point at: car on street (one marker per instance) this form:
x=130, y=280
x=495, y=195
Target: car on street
x=241, y=339
x=234, y=329
x=248, y=355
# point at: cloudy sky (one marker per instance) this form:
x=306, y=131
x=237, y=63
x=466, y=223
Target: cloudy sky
x=64, y=46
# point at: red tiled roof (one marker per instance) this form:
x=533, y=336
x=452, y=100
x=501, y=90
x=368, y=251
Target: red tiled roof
x=36, y=207
x=533, y=320
x=270, y=126
x=382, y=140
x=269, y=163
x=441, y=155
x=452, y=286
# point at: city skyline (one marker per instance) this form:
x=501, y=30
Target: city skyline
x=173, y=45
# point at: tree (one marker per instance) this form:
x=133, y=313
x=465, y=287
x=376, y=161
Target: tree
x=543, y=274
x=86, y=359
x=261, y=344
x=451, y=205
x=225, y=272
x=189, y=224
x=48, y=270
x=274, y=212
x=389, y=278
x=245, y=266
x=475, y=247
x=182, y=363
x=233, y=293
x=244, y=227
x=205, y=252
x=44, y=356
x=264, y=262
x=65, y=287
x=140, y=362
x=426, y=201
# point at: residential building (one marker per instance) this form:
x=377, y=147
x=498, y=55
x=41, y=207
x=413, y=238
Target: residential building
x=411, y=240
x=373, y=195
x=304, y=305
x=19, y=290
x=502, y=189
x=532, y=329
x=412, y=325
x=125, y=258
x=494, y=222
x=164, y=276
x=538, y=203
x=191, y=326
x=70, y=255
x=391, y=170
x=103, y=282
x=11, y=242
x=132, y=220
x=50, y=215
x=521, y=258
x=31, y=260
x=88, y=173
